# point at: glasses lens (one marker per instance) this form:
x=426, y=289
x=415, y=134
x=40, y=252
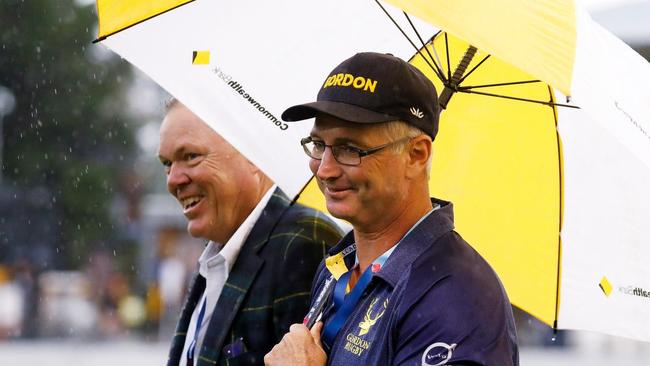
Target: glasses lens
x=346, y=155
x=313, y=149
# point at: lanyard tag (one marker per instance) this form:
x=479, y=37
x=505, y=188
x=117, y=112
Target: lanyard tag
x=336, y=265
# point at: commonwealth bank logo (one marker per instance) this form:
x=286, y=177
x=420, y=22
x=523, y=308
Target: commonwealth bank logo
x=200, y=57
x=632, y=290
x=606, y=286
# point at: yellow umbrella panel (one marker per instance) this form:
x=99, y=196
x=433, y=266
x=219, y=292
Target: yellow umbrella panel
x=498, y=160
x=117, y=15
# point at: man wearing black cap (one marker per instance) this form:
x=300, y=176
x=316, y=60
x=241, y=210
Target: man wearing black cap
x=403, y=288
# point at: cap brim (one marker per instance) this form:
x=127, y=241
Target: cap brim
x=344, y=111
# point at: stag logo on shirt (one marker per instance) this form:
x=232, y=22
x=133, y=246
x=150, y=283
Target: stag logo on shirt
x=369, y=320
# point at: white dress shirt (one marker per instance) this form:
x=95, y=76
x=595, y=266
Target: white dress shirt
x=215, y=264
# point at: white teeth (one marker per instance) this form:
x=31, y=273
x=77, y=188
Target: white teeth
x=189, y=202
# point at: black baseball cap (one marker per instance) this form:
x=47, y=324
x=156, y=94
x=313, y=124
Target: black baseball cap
x=371, y=87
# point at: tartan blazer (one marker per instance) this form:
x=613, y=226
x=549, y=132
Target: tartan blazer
x=267, y=290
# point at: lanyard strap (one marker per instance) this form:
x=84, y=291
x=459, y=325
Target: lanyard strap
x=345, y=305
x=341, y=288
x=190, y=350
x=349, y=303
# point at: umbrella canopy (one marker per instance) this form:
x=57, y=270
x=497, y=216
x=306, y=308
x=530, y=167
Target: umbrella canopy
x=555, y=197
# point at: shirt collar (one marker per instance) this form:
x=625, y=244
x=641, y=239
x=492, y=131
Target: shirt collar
x=233, y=246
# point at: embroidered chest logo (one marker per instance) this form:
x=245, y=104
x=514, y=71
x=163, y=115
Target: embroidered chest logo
x=354, y=343
x=369, y=320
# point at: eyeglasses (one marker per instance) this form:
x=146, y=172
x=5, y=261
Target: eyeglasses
x=343, y=154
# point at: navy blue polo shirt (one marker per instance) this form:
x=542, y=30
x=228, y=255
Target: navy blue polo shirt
x=435, y=301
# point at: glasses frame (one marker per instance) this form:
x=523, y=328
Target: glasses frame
x=306, y=140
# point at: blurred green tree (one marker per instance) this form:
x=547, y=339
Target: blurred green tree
x=69, y=132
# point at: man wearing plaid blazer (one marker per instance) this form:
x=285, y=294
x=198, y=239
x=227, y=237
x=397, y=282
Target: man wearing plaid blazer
x=256, y=271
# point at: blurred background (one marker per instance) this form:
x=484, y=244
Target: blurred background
x=94, y=257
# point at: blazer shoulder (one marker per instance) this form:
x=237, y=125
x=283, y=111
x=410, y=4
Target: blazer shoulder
x=309, y=223
x=302, y=234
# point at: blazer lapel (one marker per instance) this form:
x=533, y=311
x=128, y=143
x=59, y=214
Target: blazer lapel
x=241, y=278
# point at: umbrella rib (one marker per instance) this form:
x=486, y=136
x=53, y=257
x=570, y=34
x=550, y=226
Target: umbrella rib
x=437, y=70
x=435, y=53
x=519, y=99
x=498, y=84
x=448, y=63
x=473, y=68
x=561, y=213
x=297, y=196
x=417, y=49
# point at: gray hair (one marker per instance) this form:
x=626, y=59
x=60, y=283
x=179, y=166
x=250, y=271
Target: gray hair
x=399, y=129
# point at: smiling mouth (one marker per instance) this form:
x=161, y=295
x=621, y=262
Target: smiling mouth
x=337, y=190
x=190, y=202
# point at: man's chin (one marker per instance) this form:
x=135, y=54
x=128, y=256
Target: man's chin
x=339, y=210
x=196, y=231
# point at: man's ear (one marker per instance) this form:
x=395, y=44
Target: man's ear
x=419, y=151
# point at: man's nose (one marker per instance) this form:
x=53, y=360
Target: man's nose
x=176, y=178
x=328, y=168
